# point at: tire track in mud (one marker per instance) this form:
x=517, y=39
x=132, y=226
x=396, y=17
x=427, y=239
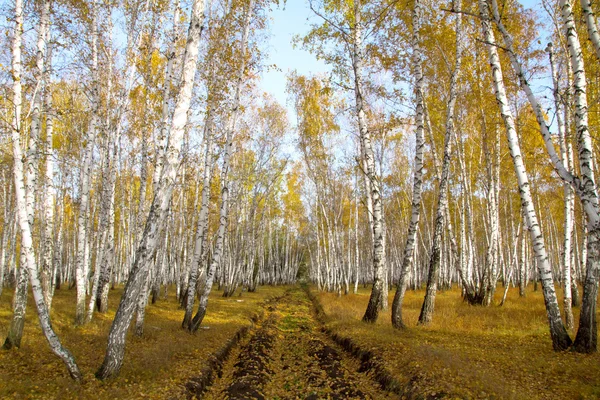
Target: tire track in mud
x=287, y=356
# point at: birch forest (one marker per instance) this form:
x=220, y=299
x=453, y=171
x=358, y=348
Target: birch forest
x=184, y=216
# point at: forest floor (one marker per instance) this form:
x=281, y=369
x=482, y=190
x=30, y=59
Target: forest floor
x=295, y=349
x=156, y=366
x=287, y=356
x=468, y=352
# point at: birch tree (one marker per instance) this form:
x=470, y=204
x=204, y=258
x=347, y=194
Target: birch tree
x=23, y=214
x=49, y=190
x=82, y=266
x=224, y=210
x=413, y=227
x=585, y=185
x=432, y=280
x=560, y=338
x=568, y=193
x=373, y=307
x=147, y=247
x=32, y=158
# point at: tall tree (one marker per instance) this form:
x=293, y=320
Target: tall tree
x=560, y=338
x=23, y=213
x=409, y=247
x=379, y=268
x=146, y=249
x=433, y=275
x=224, y=210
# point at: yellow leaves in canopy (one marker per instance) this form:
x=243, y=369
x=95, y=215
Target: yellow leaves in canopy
x=536, y=160
x=157, y=63
x=273, y=119
x=70, y=106
x=315, y=104
x=313, y=101
x=345, y=7
x=292, y=200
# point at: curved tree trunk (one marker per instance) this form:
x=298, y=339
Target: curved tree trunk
x=24, y=215
x=146, y=249
x=560, y=338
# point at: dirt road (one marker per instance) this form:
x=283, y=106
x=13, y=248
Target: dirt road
x=287, y=356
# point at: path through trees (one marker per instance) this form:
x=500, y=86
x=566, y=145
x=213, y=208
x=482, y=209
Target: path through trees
x=287, y=356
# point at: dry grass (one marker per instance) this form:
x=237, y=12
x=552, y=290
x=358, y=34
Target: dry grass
x=470, y=351
x=156, y=365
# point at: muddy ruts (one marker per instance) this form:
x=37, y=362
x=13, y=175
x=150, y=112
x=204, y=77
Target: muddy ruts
x=330, y=361
x=368, y=360
x=251, y=369
x=198, y=385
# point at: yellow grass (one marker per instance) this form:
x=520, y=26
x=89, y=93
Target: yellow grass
x=156, y=365
x=470, y=351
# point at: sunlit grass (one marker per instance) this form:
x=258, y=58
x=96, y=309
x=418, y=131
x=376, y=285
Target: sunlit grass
x=470, y=351
x=156, y=365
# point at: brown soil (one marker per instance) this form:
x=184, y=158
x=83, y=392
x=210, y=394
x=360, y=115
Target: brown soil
x=288, y=356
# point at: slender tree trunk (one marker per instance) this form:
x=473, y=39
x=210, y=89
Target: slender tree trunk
x=49, y=193
x=147, y=247
x=224, y=212
x=82, y=261
x=409, y=247
x=19, y=305
x=434, y=264
x=584, y=186
x=560, y=338
x=28, y=260
x=372, y=311
x=7, y=231
x=202, y=229
x=586, y=339
x=356, y=248
x=592, y=27
x=568, y=194
x=161, y=141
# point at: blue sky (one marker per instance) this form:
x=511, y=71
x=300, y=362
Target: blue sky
x=286, y=22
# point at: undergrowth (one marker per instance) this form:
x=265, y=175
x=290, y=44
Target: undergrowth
x=469, y=351
x=156, y=365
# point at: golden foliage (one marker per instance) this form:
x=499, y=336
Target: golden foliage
x=470, y=351
x=156, y=365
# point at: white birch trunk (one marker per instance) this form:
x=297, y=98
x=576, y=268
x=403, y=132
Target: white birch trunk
x=560, y=338
x=427, y=308
x=161, y=140
x=29, y=261
x=586, y=340
x=147, y=247
x=82, y=260
x=36, y=114
x=409, y=247
x=568, y=194
x=592, y=26
x=224, y=212
x=199, y=254
x=374, y=305
x=49, y=192
x=584, y=186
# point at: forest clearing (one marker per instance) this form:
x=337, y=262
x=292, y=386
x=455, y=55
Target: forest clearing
x=299, y=199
